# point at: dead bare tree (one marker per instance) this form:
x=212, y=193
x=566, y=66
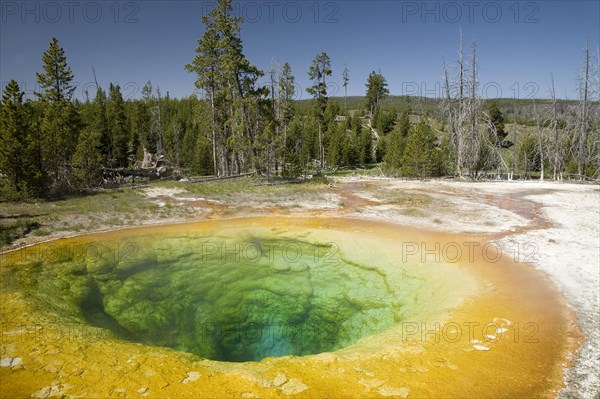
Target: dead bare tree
x=276, y=147
x=581, y=138
x=473, y=142
x=555, y=148
x=595, y=95
x=450, y=109
x=462, y=106
x=156, y=126
x=453, y=107
x=541, y=123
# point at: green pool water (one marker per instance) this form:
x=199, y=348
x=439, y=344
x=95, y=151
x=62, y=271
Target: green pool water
x=237, y=292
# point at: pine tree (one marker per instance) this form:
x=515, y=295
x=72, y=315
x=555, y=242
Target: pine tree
x=346, y=80
x=386, y=121
x=380, y=150
x=206, y=65
x=14, y=133
x=94, y=147
x=60, y=129
x=404, y=125
x=57, y=77
x=349, y=152
x=118, y=126
x=419, y=158
x=396, y=143
x=99, y=124
x=365, y=147
x=335, y=147
x=497, y=119
x=376, y=91
x=61, y=123
x=203, y=164
x=229, y=80
x=88, y=159
x=319, y=70
x=286, y=90
x=38, y=178
x=143, y=117
x=296, y=149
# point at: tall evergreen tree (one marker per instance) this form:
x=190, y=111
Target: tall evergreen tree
x=346, y=80
x=396, y=142
x=14, y=133
x=147, y=112
x=296, y=148
x=88, y=159
x=206, y=65
x=60, y=130
x=203, y=164
x=497, y=120
x=376, y=91
x=61, y=123
x=286, y=91
x=94, y=146
x=319, y=70
x=365, y=147
x=419, y=158
x=99, y=123
x=229, y=80
x=57, y=76
x=119, y=129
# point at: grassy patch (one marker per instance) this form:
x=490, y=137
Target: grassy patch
x=413, y=212
x=367, y=170
x=126, y=206
x=12, y=229
x=41, y=233
x=77, y=213
x=230, y=188
x=397, y=197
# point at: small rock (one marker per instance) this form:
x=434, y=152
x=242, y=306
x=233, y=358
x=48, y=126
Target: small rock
x=42, y=393
x=48, y=392
x=371, y=384
x=402, y=392
x=191, y=377
x=293, y=386
x=149, y=373
x=452, y=366
x=10, y=362
x=51, y=368
x=279, y=380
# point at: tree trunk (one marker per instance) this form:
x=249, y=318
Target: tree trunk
x=581, y=156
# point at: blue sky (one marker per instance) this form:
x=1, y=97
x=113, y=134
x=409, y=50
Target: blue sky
x=520, y=43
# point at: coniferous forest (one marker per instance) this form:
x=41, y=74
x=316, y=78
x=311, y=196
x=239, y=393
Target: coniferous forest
x=56, y=143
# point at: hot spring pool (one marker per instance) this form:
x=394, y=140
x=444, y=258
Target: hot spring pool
x=276, y=291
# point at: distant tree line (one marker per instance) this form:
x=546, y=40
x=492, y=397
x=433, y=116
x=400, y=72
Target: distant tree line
x=56, y=144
